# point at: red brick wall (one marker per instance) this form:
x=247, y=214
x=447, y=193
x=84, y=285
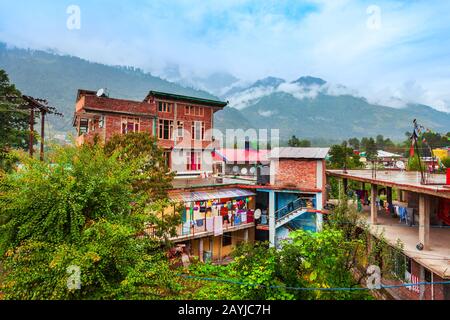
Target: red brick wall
x=149, y=108
x=296, y=173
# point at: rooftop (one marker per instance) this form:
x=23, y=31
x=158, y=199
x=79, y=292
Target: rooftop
x=210, y=182
x=405, y=180
x=436, y=259
x=299, y=153
x=241, y=155
x=202, y=101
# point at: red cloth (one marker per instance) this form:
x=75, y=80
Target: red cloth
x=444, y=210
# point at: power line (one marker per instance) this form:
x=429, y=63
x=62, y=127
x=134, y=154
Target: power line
x=310, y=289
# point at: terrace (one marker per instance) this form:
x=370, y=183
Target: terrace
x=436, y=258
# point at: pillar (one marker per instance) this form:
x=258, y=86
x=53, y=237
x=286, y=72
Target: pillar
x=200, y=249
x=373, y=204
x=424, y=221
x=272, y=218
x=422, y=279
x=246, y=235
x=319, y=216
x=345, y=182
x=389, y=199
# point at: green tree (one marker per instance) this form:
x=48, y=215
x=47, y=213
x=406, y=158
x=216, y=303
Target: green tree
x=370, y=147
x=341, y=155
x=14, y=132
x=354, y=143
x=84, y=208
x=297, y=143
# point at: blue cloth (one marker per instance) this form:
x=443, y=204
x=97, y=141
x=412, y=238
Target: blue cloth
x=200, y=223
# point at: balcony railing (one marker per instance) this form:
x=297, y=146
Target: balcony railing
x=300, y=203
x=193, y=227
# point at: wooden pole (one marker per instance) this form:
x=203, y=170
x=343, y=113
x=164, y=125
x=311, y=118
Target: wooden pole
x=31, y=142
x=42, y=134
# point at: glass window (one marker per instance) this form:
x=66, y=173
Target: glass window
x=165, y=129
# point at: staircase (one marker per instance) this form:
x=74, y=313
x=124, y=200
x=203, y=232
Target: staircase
x=289, y=217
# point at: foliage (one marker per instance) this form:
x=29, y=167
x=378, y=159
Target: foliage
x=446, y=162
x=83, y=209
x=297, y=143
x=156, y=178
x=370, y=147
x=342, y=156
x=14, y=132
x=414, y=164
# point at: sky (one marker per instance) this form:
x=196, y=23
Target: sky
x=389, y=51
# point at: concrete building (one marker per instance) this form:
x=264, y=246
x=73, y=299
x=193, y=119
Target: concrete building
x=421, y=224
x=294, y=198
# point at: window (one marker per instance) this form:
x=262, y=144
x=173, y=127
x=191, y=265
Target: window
x=194, y=161
x=84, y=126
x=130, y=125
x=180, y=129
x=165, y=129
x=101, y=122
x=164, y=107
x=198, y=130
x=226, y=239
x=194, y=111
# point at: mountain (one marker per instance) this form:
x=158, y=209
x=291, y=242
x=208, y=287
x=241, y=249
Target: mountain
x=312, y=108
x=57, y=79
x=308, y=107
x=309, y=81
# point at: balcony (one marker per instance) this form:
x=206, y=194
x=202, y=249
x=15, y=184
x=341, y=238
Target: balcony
x=213, y=226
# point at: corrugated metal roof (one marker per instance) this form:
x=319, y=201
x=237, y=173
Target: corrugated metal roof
x=241, y=155
x=299, y=153
x=209, y=195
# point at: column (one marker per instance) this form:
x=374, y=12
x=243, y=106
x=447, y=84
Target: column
x=246, y=235
x=200, y=249
x=319, y=216
x=389, y=199
x=373, y=204
x=422, y=279
x=424, y=221
x=272, y=218
x=345, y=182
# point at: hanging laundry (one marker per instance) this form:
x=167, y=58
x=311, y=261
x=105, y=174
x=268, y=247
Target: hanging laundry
x=218, y=226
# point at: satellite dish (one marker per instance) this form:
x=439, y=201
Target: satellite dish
x=101, y=93
x=235, y=169
x=257, y=214
x=252, y=170
x=400, y=165
x=244, y=171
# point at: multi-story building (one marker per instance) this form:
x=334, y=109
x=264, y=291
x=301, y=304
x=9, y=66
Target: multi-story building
x=182, y=124
x=417, y=216
x=218, y=212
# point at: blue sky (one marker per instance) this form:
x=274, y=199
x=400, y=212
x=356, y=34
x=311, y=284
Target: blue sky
x=405, y=54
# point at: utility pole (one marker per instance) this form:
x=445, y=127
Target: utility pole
x=42, y=134
x=31, y=142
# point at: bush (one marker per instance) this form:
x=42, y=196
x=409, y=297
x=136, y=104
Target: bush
x=83, y=209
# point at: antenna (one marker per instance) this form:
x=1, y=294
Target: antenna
x=102, y=93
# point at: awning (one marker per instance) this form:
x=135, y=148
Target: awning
x=209, y=195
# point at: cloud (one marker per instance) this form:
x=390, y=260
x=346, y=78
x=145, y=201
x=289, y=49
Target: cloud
x=253, y=39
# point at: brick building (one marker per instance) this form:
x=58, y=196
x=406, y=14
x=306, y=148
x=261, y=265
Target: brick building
x=182, y=124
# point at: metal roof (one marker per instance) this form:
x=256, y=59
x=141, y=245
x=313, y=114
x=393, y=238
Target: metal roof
x=202, y=101
x=299, y=153
x=209, y=195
